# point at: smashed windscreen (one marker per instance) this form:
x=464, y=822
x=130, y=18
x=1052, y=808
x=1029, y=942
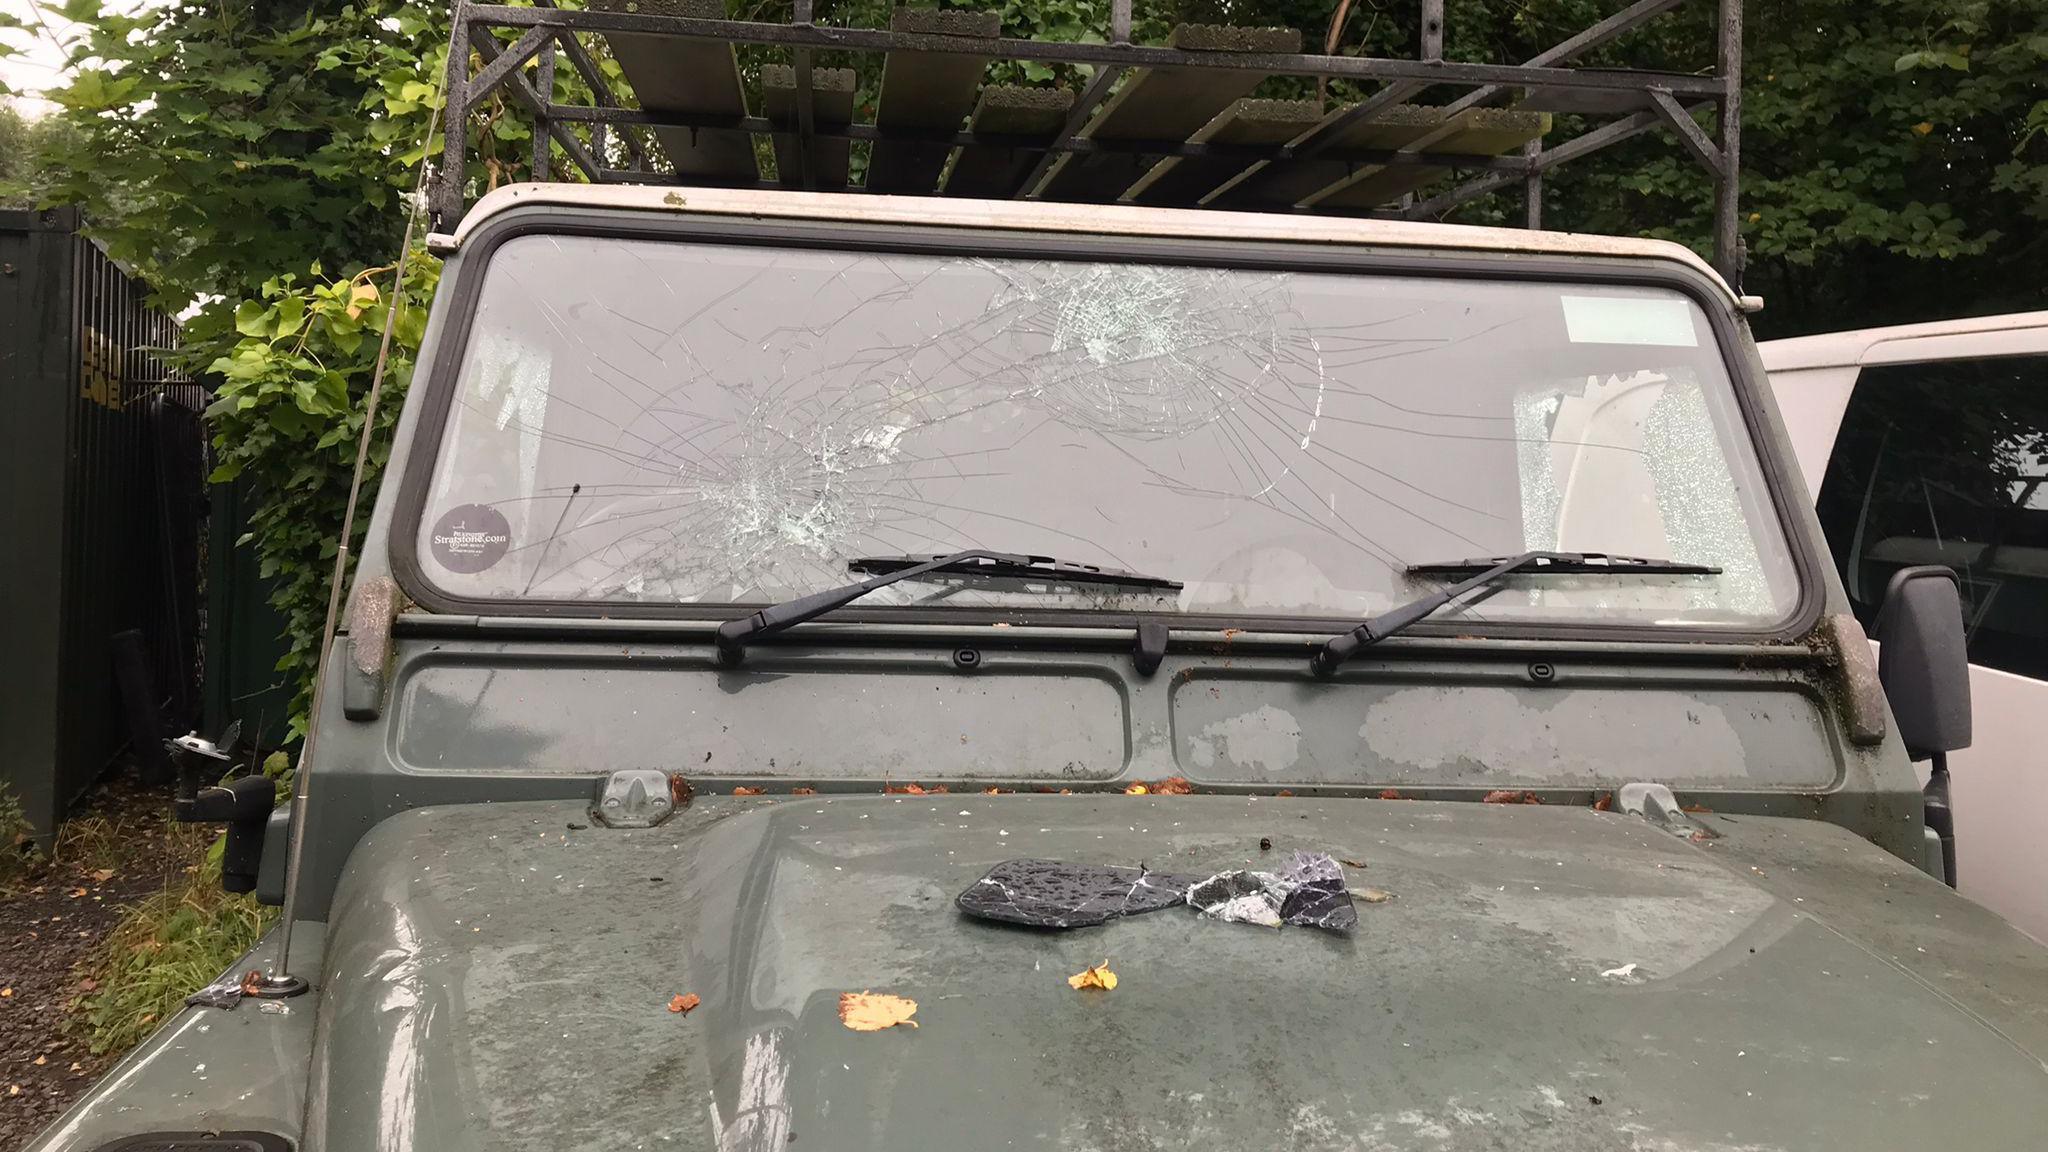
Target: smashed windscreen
x=694, y=423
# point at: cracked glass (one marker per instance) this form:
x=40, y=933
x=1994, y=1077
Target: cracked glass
x=690, y=423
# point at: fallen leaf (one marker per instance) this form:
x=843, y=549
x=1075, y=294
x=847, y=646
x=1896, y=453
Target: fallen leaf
x=1284, y=793
x=1605, y=803
x=803, y=791
x=874, y=1011
x=1098, y=976
x=679, y=791
x=1375, y=895
x=1174, y=786
x=41, y=1060
x=88, y=985
x=1390, y=794
x=743, y=790
x=1510, y=796
x=102, y=875
x=1137, y=790
x=14, y=1089
x=5, y=993
x=1697, y=808
x=77, y=892
x=991, y=791
x=683, y=1003
x=252, y=982
x=1352, y=863
x=913, y=790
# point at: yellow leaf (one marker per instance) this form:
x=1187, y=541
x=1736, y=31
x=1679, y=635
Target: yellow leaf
x=1923, y=127
x=1137, y=790
x=1097, y=977
x=102, y=875
x=359, y=298
x=872, y=1012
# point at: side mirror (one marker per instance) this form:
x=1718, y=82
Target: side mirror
x=1923, y=661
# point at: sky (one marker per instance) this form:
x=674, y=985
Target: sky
x=37, y=61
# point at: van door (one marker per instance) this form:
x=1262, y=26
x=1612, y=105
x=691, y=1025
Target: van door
x=1947, y=463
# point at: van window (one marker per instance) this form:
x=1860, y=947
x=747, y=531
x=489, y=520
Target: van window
x=1947, y=463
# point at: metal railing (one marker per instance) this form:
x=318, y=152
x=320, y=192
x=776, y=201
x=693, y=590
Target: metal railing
x=1640, y=101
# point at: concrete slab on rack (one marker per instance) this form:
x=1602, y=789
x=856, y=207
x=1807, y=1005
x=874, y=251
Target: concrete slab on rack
x=991, y=172
x=1283, y=186
x=687, y=77
x=925, y=91
x=831, y=107
x=1473, y=132
x=1181, y=181
x=1161, y=104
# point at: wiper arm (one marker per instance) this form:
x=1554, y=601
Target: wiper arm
x=1488, y=572
x=733, y=635
x=1005, y=564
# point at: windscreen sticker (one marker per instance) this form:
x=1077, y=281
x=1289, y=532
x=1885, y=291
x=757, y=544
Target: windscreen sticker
x=470, y=538
x=1629, y=320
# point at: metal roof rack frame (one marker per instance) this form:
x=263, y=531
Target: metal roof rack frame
x=1117, y=140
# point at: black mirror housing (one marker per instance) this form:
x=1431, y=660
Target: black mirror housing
x=1923, y=660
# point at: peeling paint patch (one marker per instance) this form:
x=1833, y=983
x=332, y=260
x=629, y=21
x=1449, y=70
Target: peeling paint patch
x=1266, y=739
x=1581, y=737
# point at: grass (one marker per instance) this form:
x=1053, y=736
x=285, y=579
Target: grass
x=165, y=948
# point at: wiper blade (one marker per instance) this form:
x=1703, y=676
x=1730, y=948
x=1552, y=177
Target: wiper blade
x=734, y=635
x=1000, y=564
x=1561, y=563
x=1489, y=572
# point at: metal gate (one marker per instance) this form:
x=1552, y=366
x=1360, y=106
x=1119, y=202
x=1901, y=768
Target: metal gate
x=103, y=521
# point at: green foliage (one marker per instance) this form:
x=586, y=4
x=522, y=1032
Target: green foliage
x=221, y=142
x=293, y=379
x=25, y=149
x=1893, y=164
x=18, y=854
x=165, y=948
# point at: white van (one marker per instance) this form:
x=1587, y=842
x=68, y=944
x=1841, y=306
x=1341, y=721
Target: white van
x=1928, y=444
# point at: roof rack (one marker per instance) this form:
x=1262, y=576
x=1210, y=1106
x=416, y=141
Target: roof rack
x=1159, y=125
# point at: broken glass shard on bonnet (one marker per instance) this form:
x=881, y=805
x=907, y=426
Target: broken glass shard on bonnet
x=1309, y=892
x=1052, y=894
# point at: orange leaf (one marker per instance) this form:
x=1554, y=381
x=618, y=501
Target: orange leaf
x=1174, y=786
x=1605, y=803
x=872, y=1011
x=683, y=1003
x=1510, y=796
x=1098, y=976
x=1390, y=794
x=743, y=790
x=803, y=791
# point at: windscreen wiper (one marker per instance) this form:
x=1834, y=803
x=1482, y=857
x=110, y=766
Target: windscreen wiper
x=733, y=635
x=1488, y=571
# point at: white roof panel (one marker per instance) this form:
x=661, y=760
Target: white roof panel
x=1037, y=216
